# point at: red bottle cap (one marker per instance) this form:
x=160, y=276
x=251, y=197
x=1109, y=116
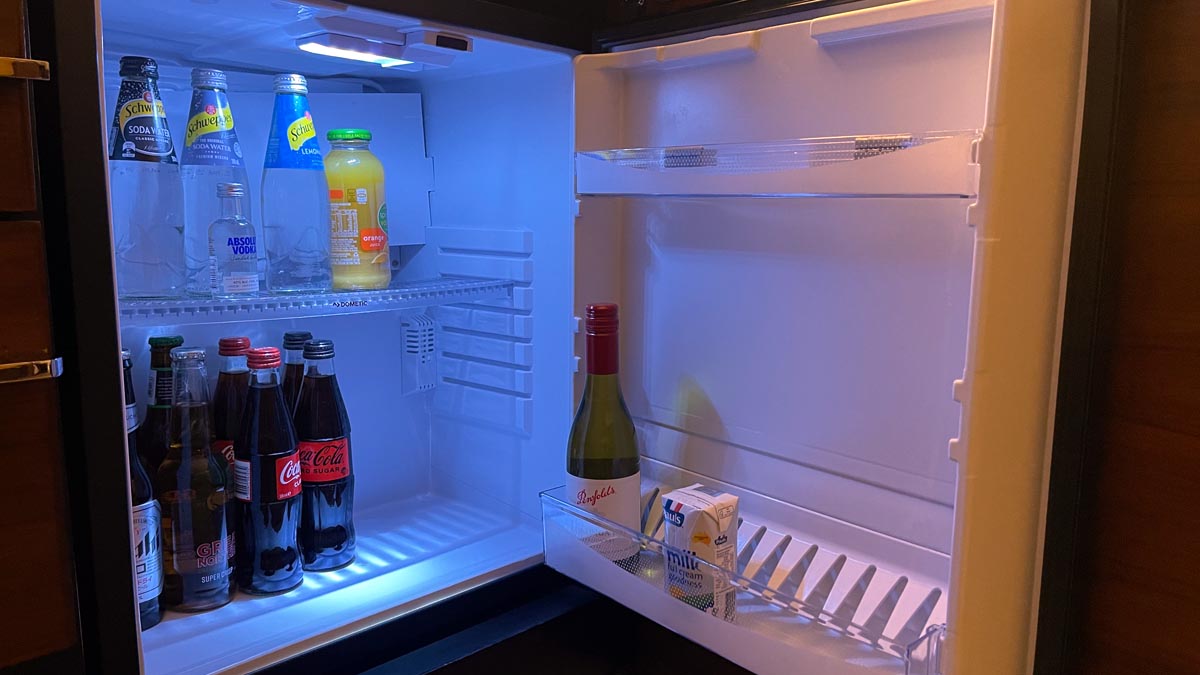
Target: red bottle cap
x=601, y=319
x=233, y=346
x=263, y=357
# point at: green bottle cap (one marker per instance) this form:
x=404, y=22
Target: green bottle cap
x=167, y=341
x=348, y=135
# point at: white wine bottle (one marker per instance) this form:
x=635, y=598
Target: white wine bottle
x=602, y=457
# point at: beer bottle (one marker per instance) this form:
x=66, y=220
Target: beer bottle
x=191, y=489
x=154, y=433
x=147, y=553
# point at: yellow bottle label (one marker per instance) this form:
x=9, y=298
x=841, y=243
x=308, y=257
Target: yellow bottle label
x=207, y=121
x=139, y=107
x=299, y=131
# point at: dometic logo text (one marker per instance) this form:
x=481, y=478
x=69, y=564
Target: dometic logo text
x=591, y=499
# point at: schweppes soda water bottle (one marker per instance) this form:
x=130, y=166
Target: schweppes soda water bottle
x=147, y=197
x=211, y=155
x=295, y=196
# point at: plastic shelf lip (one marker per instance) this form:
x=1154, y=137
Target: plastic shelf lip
x=404, y=296
x=929, y=165
x=593, y=550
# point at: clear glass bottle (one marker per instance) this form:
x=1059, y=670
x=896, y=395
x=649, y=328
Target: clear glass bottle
x=211, y=155
x=191, y=490
x=232, y=247
x=145, y=189
x=357, y=212
x=295, y=196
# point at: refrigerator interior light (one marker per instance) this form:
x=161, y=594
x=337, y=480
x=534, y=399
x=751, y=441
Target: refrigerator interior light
x=385, y=54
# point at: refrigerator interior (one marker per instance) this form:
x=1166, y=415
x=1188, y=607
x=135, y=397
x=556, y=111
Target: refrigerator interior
x=794, y=313
x=452, y=440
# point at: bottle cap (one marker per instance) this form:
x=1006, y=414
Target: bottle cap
x=295, y=339
x=186, y=354
x=231, y=190
x=601, y=319
x=290, y=83
x=209, y=78
x=263, y=357
x=138, y=66
x=318, y=349
x=348, y=135
x=233, y=346
x=126, y=354
x=166, y=341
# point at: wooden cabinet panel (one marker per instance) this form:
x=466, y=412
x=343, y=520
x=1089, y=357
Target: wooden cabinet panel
x=1139, y=527
x=18, y=189
x=37, y=592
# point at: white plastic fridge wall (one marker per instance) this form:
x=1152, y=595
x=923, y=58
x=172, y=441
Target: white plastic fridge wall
x=801, y=349
x=446, y=480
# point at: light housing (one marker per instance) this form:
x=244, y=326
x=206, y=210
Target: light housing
x=340, y=46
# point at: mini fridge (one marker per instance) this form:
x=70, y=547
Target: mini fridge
x=838, y=239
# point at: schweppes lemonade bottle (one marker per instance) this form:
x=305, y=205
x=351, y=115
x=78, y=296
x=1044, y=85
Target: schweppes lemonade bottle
x=147, y=197
x=211, y=155
x=295, y=197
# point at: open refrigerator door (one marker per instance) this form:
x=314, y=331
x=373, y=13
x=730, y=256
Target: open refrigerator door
x=810, y=220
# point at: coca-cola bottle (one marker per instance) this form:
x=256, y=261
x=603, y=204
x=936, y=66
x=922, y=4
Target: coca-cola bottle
x=266, y=469
x=327, y=525
x=154, y=435
x=147, y=529
x=229, y=399
x=191, y=489
x=293, y=365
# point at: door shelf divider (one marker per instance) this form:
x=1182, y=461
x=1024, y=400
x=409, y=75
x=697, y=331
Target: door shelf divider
x=785, y=619
x=401, y=295
x=925, y=165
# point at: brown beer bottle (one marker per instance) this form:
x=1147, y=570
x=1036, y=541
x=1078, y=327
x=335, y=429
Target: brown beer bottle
x=154, y=434
x=327, y=522
x=191, y=489
x=293, y=365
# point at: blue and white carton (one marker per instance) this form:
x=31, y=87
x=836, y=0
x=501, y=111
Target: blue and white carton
x=701, y=524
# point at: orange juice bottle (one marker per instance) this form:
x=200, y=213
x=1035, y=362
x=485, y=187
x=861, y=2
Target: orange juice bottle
x=357, y=212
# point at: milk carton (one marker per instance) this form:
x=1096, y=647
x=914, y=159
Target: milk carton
x=701, y=524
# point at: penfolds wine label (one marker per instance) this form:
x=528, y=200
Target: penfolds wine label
x=325, y=461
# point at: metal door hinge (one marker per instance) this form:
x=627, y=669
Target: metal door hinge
x=30, y=370
x=24, y=69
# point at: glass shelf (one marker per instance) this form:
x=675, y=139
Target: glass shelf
x=932, y=164
x=787, y=617
x=405, y=295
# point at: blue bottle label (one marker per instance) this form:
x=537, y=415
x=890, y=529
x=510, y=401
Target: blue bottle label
x=210, y=138
x=293, y=142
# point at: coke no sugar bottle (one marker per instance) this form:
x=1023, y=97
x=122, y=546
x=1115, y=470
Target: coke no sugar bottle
x=327, y=524
x=233, y=381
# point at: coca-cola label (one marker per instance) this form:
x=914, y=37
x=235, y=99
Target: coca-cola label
x=288, y=475
x=147, y=550
x=325, y=461
x=223, y=449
